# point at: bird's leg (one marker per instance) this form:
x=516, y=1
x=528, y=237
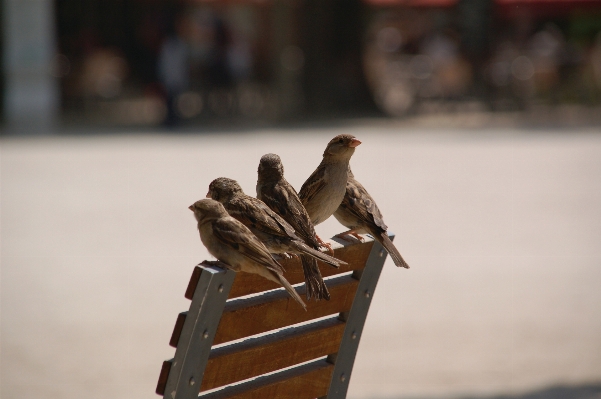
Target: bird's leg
x=221, y=264
x=322, y=243
x=351, y=232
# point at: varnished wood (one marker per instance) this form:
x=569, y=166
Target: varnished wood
x=177, y=329
x=249, y=316
x=193, y=283
x=163, y=377
x=304, y=382
x=254, y=357
x=354, y=255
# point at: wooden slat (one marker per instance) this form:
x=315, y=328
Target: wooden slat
x=163, y=377
x=245, y=317
x=193, y=283
x=177, y=329
x=355, y=255
x=254, y=357
x=304, y=382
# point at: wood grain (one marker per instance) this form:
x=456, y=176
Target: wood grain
x=249, y=316
x=354, y=254
x=254, y=357
x=304, y=382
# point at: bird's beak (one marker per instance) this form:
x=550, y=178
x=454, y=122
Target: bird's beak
x=191, y=207
x=354, y=143
x=208, y=194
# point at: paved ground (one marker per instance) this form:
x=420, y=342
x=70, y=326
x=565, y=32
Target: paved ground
x=501, y=228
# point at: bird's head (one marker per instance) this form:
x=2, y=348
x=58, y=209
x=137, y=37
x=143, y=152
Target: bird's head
x=207, y=209
x=270, y=167
x=222, y=189
x=342, y=145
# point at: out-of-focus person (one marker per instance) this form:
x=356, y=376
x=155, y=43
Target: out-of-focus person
x=174, y=68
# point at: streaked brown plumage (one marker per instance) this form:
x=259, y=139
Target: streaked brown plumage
x=324, y=190
x=275, y=191
x=359, y=212
x=277, y=235
x=234, y=244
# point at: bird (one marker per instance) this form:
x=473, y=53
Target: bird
x=277, y=235
x=279, y=195
x=234, y=245
x=359, y=213
x=323, y=191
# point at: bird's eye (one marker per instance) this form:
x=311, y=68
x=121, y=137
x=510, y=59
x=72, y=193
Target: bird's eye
x=340, y=141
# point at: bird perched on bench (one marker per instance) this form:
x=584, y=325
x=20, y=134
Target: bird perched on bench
x=279, y=195
x=359, y=213
x=234, y=244
x=277, y=235
x=324, y=190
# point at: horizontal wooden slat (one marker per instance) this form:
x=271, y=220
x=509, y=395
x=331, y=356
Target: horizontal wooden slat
x=163, y=377
x=193, y=283
x=304, y=382
x=177, y=329
x=245, y=317
x=354, y=253
x=265, y=354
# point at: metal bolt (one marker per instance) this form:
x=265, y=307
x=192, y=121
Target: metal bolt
x=367, y=294
x=220, y=289
x=342, y=377
x=191, y=382
x=382, y=252
x=354, y=335
x=205, y=334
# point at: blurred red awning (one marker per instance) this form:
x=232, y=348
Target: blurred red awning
x=413, y=3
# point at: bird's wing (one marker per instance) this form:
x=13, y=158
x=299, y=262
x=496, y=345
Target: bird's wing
x=358, y=202
x=283, y=200
x=314, y=184
x=254, y=214
x=238, y=237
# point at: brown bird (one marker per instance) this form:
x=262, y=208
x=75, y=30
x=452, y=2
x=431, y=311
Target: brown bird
x=324, y=190
x=277, y=235
x=359, y=212
x=279, y=195
x=231, y=242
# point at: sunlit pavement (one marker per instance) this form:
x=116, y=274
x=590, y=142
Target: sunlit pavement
x=501, y=228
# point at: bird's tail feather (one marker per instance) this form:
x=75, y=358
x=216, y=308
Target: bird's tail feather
x=330, y=260
x=316, y=287
x=291, y=290
x=394, y=253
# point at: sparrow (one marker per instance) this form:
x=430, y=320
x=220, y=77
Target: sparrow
x=279, y=195
x=324, y=190
x=234, y=244
x=277, y=235
x=359, y=212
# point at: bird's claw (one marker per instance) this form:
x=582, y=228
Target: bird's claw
x=347, y=236
x=221, y=265
x=324, y=244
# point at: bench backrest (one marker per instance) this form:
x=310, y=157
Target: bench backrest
x=241, y=326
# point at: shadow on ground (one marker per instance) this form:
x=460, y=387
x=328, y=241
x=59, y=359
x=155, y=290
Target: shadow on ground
x=591, y=391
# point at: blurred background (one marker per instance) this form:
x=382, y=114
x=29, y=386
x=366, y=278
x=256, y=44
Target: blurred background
x=480, y=122
x=193, y=62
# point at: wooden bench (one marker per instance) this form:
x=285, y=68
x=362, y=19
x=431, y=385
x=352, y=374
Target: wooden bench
x=294, y=353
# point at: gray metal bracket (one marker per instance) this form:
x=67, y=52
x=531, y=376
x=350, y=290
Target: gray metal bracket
x=198, y=332
x=355, y=320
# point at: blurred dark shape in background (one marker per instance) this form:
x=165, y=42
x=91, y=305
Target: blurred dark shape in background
x=151, y=62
